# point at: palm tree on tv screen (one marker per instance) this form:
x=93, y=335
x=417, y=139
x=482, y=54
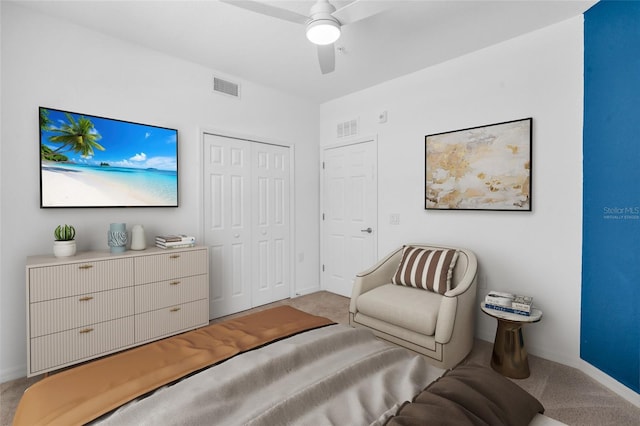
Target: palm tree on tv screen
x=45, y=121
x=79, y=136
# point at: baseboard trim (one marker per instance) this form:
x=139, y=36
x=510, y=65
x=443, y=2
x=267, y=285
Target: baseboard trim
x=610, y=383
x=579, y=364
x=9, y=374
x=305, y=291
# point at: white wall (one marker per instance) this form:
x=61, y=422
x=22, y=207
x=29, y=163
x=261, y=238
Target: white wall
x=538, y=75
x=47, y=62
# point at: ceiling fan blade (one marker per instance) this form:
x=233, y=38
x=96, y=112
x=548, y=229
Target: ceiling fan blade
x=266, y=9
x=361, y=9
x=327, y=58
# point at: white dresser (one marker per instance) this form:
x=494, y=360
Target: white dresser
x=86, y=306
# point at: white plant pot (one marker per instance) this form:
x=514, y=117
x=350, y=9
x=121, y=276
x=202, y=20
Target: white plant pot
x=64, y=248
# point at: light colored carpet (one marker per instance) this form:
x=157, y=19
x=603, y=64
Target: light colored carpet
x=567, y=394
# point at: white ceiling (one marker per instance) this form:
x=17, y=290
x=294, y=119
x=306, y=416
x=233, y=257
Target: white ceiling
x=408, y=37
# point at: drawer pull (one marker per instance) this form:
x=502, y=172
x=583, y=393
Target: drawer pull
x=174, y=309
x=174, y=283
x=174, y=256
x=85, y=299
x=86, y=330
x=85, y=266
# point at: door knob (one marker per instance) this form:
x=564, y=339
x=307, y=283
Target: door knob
x=368, y=230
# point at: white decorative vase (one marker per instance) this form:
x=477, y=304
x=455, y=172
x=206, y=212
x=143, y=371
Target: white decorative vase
x=64, y=248
x=138, y=241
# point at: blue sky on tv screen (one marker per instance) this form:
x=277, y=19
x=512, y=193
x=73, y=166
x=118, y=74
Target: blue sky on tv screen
x=126, y=144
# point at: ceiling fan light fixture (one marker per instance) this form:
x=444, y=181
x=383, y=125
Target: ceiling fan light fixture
x=323, y=31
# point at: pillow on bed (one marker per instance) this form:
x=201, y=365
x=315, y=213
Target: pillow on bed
x=469, y=394
x=427, y=269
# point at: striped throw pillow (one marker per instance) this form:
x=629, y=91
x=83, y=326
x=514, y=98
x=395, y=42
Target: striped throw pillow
x=428, y=269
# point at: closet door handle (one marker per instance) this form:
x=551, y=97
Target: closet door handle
x=368, y=230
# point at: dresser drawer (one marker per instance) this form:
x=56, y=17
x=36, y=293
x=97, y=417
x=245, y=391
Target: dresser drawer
x=172, y=264
x=57, y=315
x=172, y=292
x=166, y=321
x=58, y=349
x=57, y=281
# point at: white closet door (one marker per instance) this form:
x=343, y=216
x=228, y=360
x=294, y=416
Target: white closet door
x=227, y=223
x=246, y=223
x=270, y=218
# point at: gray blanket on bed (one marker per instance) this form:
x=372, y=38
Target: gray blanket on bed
x=333, y=375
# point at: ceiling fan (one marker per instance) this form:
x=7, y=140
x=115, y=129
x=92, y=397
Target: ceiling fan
x=323, y=23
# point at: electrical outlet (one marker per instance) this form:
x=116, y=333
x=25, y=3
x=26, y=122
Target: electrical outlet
x=394, y=219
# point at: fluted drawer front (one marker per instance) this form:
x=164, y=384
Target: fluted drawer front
x=59, y=349
x=166, y=321
x=172, y=264
x=96, y=303
x=51, y=282
x=172, y=292
x=57, y=315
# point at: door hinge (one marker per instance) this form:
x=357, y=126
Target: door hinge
x=323, y=164
x=322, y=268
x=322, y=216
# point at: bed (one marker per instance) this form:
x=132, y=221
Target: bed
x=280, y=366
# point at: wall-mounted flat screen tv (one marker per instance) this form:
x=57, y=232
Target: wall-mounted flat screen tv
x=90, y=161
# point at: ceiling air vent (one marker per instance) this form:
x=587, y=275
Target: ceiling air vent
x=226, y=87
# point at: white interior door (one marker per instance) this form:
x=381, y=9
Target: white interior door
x=350, y=214
x=271, y=251
x=227, y=223
x=246, y=223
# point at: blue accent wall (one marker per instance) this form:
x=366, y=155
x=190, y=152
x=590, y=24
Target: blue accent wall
x=610, y=316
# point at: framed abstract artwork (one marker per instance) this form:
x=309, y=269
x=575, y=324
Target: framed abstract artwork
x=480, y=168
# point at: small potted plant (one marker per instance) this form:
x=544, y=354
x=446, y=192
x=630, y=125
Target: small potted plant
x=64, y=244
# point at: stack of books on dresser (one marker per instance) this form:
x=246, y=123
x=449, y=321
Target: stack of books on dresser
x=508, y=302
x=175, y=241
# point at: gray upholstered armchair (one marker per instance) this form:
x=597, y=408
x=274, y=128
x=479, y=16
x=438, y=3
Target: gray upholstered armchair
x=427, y=305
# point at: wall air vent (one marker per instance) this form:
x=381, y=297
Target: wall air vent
x=226, y=87
x=347, y=128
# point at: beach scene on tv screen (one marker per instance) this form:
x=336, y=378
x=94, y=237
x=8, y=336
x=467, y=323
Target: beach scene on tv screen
x=89, y=161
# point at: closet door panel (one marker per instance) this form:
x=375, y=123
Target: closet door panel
x=227, y=223
x=271, y=247
x=246, y=210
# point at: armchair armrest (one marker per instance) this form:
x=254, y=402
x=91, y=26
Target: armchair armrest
x=379, y=274
x=457, y=304
x=468, y=274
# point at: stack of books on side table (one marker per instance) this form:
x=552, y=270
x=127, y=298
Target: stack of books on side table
x=508, y=302
x=175, y=241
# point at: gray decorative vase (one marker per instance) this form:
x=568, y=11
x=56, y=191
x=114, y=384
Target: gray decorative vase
x=117, y=237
